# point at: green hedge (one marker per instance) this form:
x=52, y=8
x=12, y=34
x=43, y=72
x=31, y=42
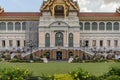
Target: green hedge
x=14, y=74
x=18, y=74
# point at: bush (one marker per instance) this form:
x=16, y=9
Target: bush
x=114, y=77
x=14, y=74
x=82, y=75
x=113, y=73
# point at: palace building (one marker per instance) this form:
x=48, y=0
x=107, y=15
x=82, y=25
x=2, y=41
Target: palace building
x=60, y=29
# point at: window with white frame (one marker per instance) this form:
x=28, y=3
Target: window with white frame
x=116, y=26
x=87, y=26
x=101, y=26
x=17, y=26
x=3, y=43
x=101, y=43
x=94, y=26
x=2, y=26
x=18, y=43
x=10, y=26
x=109, y=26
x=115, y=43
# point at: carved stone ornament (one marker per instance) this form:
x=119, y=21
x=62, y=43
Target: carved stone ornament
x=1, y=9
x=118, y=10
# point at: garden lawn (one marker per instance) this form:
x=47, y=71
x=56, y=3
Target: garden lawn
x=61, y=67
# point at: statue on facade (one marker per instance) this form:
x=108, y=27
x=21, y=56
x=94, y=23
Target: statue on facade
x=1, y=9
x=118, y=10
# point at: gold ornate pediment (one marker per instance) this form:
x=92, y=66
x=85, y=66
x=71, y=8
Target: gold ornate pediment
x=50, y=3
x=68, y=5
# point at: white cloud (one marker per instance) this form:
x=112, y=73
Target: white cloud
x=85, y=10
x=83, y=2
x=109, y=5
x=111, y=1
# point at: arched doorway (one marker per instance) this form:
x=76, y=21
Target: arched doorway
x=59, y=55
x=48, y=55
x=59, y=39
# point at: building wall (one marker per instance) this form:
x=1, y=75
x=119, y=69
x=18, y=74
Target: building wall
x=98, y=35
x=13, y=35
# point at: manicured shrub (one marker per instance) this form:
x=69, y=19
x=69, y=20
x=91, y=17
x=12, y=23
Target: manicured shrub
x=113, y=77
x=62, y=77
x=82, y=75
x=112, y=74
x=14, y=74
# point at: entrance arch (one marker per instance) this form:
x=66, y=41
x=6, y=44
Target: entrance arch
x=59, y=55
x=59, y=39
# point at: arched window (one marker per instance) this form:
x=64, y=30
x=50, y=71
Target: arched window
x=70, y=40
x=2, y=26
x=109, y=26
x=101, y=26
x=94, y=26
x=10, y=26
x=47, y=40
x=23, y=26
x=81, y=26
x=17, y=26
x=116, y=26
x=87, y=26
x=59, y=39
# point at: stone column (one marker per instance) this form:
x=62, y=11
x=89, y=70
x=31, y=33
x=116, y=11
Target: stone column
x=90, y=42
x=76, y=37
x=7, y=43
x=41, y=39
x=52, y=39
x=21, y=42
x=97, y=43
x=14, y=42
x=105, y=42
x=112, y=43
x=65, y=39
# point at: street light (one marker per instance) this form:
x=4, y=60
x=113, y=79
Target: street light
x=83, y=56
x=30, y=45
x=94, y=57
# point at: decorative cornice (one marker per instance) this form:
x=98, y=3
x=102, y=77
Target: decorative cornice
x=99, y=18
x=20, y=16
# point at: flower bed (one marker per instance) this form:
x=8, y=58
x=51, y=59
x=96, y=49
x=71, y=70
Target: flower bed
x=18, y=74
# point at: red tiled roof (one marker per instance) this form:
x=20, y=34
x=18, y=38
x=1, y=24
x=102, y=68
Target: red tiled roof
x=99, y=14
x=81, y=14
x=20, y=14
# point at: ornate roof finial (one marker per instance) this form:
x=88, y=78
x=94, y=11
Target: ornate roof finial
x=118, y=10
x=1, y=9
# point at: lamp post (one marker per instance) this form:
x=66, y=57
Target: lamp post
x=95, y=53
x=30, y=45
x=83, y=56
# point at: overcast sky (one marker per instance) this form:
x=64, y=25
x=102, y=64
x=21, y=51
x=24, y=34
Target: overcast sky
x=85, y=5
